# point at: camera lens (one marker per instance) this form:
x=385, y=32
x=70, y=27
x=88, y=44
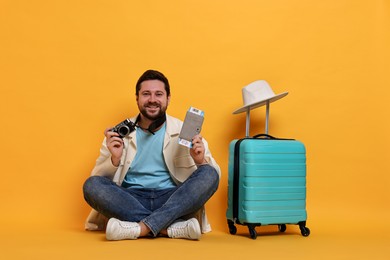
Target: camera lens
x=123, y=131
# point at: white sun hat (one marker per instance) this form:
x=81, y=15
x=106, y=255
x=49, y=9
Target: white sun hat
x=257, y=94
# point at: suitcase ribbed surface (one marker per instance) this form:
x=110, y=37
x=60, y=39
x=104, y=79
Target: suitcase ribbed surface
x=271, y=183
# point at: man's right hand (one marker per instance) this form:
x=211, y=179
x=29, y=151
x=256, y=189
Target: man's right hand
x=115, y=145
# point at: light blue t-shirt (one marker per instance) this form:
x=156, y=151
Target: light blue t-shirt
x=148, y=169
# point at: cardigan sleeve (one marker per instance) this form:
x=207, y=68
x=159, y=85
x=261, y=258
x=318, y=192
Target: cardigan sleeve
x=103, y=165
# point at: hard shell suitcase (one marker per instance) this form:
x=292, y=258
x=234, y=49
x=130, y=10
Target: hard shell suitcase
x=266, y=183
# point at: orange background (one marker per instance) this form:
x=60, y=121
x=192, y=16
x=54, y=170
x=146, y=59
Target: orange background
x=68, y=71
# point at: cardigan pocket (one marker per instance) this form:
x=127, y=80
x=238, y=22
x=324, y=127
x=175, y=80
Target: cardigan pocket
x=184, y=162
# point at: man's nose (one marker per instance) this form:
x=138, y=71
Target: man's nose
x=152, y=98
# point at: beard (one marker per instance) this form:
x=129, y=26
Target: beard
x=152, y=116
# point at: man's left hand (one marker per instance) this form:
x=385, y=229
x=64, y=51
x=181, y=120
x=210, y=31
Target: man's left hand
x=197, y=150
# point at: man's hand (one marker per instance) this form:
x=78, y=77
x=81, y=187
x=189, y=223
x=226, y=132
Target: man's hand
x=197, y=150
x=115, y=145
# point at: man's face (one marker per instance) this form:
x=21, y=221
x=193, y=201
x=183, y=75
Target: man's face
x=152, y=99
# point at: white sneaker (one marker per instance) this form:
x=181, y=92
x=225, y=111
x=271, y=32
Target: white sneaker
x=189, y=229
x=118, y=230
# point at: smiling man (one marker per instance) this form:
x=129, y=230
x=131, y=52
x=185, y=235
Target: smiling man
x=146, y=184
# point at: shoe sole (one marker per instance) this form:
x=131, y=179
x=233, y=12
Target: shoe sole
x=196, y=228
x=109, y=228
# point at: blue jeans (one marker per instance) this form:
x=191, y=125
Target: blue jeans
x=156, y=208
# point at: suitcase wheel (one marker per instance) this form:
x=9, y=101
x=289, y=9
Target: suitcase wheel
x=305, y=231
x=232, y=227
x=252, y=231
x=282, y=227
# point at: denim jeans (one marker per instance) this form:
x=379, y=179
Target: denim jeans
x=156, y=208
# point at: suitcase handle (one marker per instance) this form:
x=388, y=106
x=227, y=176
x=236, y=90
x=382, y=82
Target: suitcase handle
x=266, y=136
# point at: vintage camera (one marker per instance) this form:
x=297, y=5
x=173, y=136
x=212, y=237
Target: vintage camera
x=124, y=128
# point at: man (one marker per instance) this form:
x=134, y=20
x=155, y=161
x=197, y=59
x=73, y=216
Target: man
x=146, y=183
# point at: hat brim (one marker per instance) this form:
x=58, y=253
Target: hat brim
x=259, y=103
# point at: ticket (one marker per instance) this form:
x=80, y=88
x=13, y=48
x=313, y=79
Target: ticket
x=192, y=126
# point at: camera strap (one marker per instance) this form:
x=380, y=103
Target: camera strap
x=154, y=125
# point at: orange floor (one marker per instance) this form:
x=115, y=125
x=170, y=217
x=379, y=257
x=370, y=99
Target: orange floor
x=349, y=236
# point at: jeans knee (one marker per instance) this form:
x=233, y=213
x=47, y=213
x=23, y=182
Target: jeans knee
x=210, y=175
x=90, y=185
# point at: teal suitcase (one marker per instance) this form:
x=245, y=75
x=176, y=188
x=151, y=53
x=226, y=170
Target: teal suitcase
x=266, y=184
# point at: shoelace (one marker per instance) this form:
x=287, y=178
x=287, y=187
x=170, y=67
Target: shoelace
x=180, y=231
x=126, y=228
